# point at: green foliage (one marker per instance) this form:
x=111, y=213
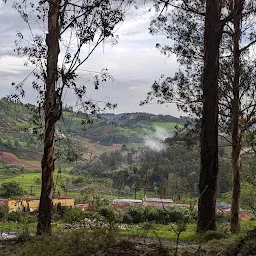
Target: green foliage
x=14, y=217
x=11, y=189
x=143, y=167
x=31, y=182
x=167, y=125
x=222, y=218
x=244, y=246
x=211, y=235
x=136, y=213
x=92, y=215
x=78, y=180
x=159, y=215
x=74, y=215
x=111, y=218
x=82, y=243
x=4, y=212
x=248, y=195
x=109, y=214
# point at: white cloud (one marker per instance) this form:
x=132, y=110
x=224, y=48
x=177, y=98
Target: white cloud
x=156, y=142
x=134, y=62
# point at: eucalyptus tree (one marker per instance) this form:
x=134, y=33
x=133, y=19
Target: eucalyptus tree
x=237, y=89
x=71, y=31
x=195, y=88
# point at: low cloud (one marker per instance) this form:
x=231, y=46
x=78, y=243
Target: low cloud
x=156, y=142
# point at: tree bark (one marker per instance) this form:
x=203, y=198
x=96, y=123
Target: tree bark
x=209, y=126
x=51, y=110
x=236, y=136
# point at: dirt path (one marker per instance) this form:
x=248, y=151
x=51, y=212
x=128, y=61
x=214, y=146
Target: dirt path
x=10, y=158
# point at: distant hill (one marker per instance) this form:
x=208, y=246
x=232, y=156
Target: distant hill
x=126, y=128
x=131, y=119
x=20, y=132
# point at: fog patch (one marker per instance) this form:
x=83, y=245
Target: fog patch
x=156, y=142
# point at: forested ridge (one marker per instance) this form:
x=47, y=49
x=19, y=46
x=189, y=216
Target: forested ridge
x=105, y=129
x=170, y=172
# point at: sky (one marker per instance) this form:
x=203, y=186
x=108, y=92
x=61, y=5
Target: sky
x=134, y=63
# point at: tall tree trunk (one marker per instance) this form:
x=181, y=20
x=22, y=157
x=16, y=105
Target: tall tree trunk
x=51, y=116
x=236, y=140
x=209, y=125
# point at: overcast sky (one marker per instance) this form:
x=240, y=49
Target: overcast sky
x=134, y=63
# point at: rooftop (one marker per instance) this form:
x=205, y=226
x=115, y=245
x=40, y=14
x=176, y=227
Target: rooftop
x=161, y=200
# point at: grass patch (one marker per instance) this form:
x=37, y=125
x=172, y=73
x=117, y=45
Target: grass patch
x=161, y=231
x=167, y=125
x=31, y=182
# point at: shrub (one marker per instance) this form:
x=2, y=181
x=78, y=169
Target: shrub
x=112, y=218
x=173, y=214
x=214, y=235
x=222, y=218
x=158, y=215
x=92, y=215
x=137, y=214
x=61, y=210
x=151, y=214
x=10, y=189
x=74, y=215
x=127, y=218
x=77, y=180
x=14, y=216
x=4, y=212
x=109, y=214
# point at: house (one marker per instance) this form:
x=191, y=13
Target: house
x=123, y=203
x=28, y=204
x=157, y=202
x=154, y=202
x=225, y=208
x=3, y=202
x=20, y=205
x=82, y=207
x=64, y=200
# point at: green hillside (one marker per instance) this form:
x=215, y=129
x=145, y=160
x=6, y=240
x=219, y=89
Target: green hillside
x=31, y=182
x=78, y=136
x=20, y=132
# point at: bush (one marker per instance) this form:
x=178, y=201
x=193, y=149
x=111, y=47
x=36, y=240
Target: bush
x=10, y=189
x=111, y=215
x=61, y=210
x=30, y=217
x=91, y=215
x=14, y=216
x=137, y=214
x=74, y=215
x=244, y=245
x=214, y=235
x=158, y=215
x=127, y=218
x=77, y=180
x=222, y=218
x=151, y=214
x=173, y=214
x=4, y=212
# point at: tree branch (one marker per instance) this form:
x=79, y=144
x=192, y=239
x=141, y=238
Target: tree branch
x=247, y=46
x=232, y=14
x=87, y=12
x=187, y=9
